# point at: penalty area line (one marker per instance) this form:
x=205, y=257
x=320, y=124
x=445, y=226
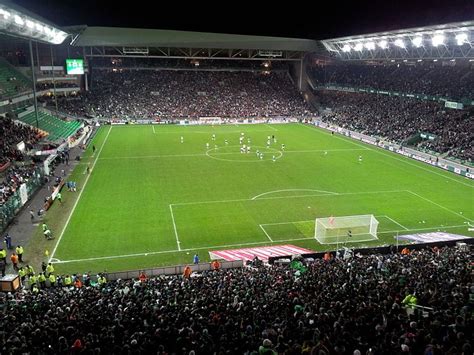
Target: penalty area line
x=264, y=231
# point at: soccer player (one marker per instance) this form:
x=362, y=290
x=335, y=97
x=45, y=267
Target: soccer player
x=273, y=158
x=248, y=149
x=182, y=139
x=282, y=147
x=248, y=140
x=207, y=145
x=226, y=142
x=325, y=152
x=241, y=139
x=258, y=153
x=215, y=146
x=213, y=136
x=268, y=143
x=261, y=156
x=360, y=158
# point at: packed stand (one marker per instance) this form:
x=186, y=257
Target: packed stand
x=455, y=82
x=399, y=118
x=363, y=305
x=168, y=94
x=10, y=135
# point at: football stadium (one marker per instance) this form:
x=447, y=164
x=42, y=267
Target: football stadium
x=180, y=192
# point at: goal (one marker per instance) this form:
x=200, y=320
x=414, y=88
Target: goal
x=335, y=230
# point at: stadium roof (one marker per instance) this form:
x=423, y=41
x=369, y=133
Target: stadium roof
x=449, y=41
x=134, y=37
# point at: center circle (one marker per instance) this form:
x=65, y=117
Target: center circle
x=232, y=153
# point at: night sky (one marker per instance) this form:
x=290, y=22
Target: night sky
x=298, y=19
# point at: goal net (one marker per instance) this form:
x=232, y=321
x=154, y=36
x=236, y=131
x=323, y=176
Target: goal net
x=347, y=229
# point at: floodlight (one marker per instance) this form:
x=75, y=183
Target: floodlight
x=419, y=60
x=4, y=13
x=437, y=39
x=16, y=22
x=399, y=43
x=370, y=45
x=19, y=20
x=383, y=44
x=461, y=38
x=417, y=41
x=346, y=48
x=358, y=47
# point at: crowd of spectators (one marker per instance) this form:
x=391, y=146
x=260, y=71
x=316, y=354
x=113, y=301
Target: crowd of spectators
x=399, y=118
x=187, y=64
x=11, y=134
x=451, y=81
x=165, y=94
x=362, y=305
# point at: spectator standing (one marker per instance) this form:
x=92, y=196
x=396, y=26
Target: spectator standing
x=196, y=259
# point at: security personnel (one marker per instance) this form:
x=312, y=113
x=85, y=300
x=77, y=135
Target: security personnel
x=49, y=269
x=19, y=252
x=102, y=280
x=410, y=300
x=67, y=281
x=42, y=280
x=29, y=270
x=52, y=280
x=33, y=280
x=3, y=255
x=22, y=274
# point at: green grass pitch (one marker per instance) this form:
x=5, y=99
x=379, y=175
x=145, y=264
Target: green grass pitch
x=151, y=200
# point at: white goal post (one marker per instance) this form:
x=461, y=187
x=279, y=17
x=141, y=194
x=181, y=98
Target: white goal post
x=346, y=229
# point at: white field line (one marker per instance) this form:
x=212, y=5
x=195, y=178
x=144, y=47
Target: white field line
x=80, y=194
x=275, y=191
x=394, y=221
x=264, y=231
x=388, y=154
x=223, y=153
x=312, y=220
x=175, y=230
x=283, y=197
x=272, y=128
x=441, y=206
x=153, y=127
x=230, y=246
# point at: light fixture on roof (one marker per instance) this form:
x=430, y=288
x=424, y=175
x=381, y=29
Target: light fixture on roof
x=370, y=46
x=19, y=20
x=417, y=41
x=383, y=44
x=358, y=47
x=346, y=48
x=4, y=13
x=461, y=38
x=437, y=39
x=399, y=43
x=419, y=60
x=17, y=23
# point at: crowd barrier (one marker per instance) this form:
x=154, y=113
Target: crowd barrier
x=171, y=270
x=378, y=250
